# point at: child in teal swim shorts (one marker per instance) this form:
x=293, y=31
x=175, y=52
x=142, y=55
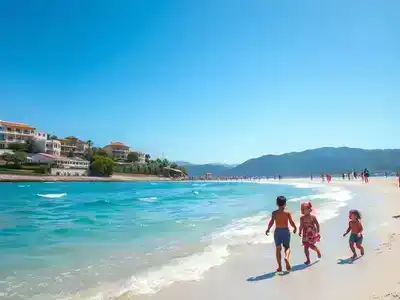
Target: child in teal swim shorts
x=356, y=236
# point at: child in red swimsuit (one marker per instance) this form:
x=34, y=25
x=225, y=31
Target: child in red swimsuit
x=309, y=228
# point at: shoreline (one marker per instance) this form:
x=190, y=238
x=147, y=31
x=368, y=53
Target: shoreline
x=50, y=178
x=249, y=271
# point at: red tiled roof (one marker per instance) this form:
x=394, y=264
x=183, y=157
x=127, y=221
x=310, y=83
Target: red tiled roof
x=117, y=145
x=16, y=124
x=49, y=155
x=61, y=157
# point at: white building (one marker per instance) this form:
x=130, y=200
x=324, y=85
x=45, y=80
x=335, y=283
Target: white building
x=63, y=166
x=52, y=147
x=12, y=132
x=40, y=136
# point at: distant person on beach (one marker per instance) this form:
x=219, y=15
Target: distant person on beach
x=366, y=175
x=323, y=177
x=398, y=177
x=311, y=176
x=328, y=178
x=356, y=236
x=309, y=229
x=343, y=176
x=355, y=175
x=281, y=218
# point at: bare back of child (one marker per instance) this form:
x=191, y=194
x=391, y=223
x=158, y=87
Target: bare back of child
x=282, y=218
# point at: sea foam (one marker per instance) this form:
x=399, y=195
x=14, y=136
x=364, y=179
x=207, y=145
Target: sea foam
x=52, y=196
x=148, y=199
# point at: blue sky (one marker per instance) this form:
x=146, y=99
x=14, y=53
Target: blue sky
x=205, y=81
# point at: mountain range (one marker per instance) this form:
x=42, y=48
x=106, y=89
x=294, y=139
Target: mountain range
x=200, y=169
x=321, y=160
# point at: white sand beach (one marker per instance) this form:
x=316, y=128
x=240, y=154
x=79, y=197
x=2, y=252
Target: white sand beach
x=249, y=271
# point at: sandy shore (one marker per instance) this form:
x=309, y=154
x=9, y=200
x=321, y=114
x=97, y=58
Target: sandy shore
x=114, y=178
x=249, y=272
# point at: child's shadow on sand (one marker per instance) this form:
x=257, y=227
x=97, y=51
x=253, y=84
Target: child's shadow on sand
x=347, y=261
x=273, y=274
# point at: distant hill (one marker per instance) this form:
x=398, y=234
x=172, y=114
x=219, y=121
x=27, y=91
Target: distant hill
x=200, y=170
x=317, y=161
x=183, y=163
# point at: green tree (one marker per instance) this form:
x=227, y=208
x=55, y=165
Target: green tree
x=89, y=154
x=19, y=158
x=89, y=143
x=8, y=157
x=133, y=157
x=17, y=147
x=147, y=158
x=165, y=163
x=100, y=152
x=102, y=166
x=174, y=166
x=30, y=146
x=183, y=169
x=52, y=137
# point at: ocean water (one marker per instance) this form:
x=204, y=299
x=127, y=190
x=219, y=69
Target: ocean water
x=104, y=240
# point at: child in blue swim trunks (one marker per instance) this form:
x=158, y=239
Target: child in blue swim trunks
x=356, y=236
x=282, y=218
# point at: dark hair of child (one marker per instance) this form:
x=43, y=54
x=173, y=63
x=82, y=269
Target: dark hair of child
x=281, y=201
x=357, y=213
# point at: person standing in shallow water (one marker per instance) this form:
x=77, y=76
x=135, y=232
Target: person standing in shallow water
x=282, y=218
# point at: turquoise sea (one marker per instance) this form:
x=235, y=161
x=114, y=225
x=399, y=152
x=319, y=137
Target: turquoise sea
x=103, y=240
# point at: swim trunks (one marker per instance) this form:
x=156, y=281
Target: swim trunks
x=355, y=238
x=282, y=237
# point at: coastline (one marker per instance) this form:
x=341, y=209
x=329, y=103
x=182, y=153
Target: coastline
x=246, y=268
x=114, y=178
x=249, y=271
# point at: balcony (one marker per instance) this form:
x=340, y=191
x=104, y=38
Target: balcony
x=14, y=141
x=14, y=132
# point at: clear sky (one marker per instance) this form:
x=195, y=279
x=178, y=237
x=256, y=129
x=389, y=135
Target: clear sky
x=205, y=81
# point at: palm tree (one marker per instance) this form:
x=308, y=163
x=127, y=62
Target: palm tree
x=89, y=143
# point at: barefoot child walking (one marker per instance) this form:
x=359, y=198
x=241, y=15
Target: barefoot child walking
x=309, y=228
x=356, y=236
x=282, y=218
